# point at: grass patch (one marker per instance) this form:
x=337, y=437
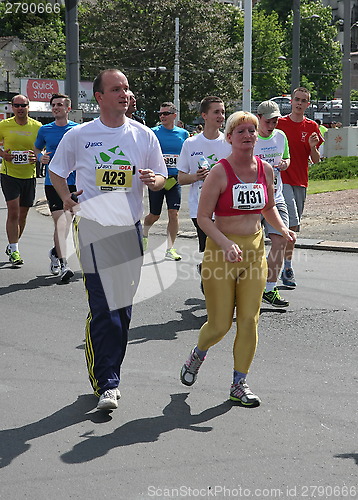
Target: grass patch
x=325, y=186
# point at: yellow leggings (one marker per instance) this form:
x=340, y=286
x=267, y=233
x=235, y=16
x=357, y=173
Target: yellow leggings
x=227, y=285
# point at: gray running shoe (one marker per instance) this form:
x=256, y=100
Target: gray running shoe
x=189, y=371
x=55, y=267
x=242, y=394
x=66, y=274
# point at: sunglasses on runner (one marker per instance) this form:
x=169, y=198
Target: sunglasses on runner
x=165, y=113
x=16, y=105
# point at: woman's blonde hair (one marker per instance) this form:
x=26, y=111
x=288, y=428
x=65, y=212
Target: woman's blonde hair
x=237, y=118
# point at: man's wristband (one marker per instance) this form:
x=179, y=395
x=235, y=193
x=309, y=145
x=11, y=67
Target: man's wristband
x=40, y=155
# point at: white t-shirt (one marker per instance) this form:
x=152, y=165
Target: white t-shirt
x=213, y=150
x=273, y=149
x=107, y=161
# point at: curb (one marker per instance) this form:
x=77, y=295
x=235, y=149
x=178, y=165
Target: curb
x=41, y=206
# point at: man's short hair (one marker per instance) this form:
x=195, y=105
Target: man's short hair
x=19, y=95
x=302, y=89
x=206, y=102
x=170, y=105
x=61, y=96
x=97, y=82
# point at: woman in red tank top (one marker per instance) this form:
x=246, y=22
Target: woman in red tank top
x=237, y=190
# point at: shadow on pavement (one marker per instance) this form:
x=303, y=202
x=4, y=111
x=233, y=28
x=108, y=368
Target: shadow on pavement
x=176, y=415
x=14, y=442
x=39, y=281
x=169, y=330
x=354, y=456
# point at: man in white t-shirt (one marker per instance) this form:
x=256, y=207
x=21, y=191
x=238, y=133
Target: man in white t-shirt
x=200, y=152
x=272, y=146
x=114, y=158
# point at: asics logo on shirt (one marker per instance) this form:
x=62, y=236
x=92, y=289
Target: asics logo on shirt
x=92, y=144
x=197, y=153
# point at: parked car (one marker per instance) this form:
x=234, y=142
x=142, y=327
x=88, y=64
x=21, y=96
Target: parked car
x=337, y=104
x=284, y=103
x=333, y=104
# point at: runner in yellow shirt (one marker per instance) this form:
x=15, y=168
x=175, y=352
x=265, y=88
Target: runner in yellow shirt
x=18, y=171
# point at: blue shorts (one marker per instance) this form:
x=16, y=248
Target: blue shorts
x=172, y=197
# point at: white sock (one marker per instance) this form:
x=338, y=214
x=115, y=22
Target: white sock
x=14, y=247
x=270, y=285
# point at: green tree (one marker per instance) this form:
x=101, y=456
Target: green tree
x=320, y=54
x=45, y=52
x=42, y=35
x=146, y=39
x=281, y=7
x=269, y=72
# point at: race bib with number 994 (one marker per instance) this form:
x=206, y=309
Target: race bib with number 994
x=20, y=157
x=170, y=160
x=248, y=196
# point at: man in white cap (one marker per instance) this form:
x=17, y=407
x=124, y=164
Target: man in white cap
x=272, y=146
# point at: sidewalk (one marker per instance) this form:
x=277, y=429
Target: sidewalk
x=186, y=228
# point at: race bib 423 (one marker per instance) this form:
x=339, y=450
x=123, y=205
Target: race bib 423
x=114, y=177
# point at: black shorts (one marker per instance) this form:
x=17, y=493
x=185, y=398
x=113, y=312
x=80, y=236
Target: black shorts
x=172, y=197
x=201, y=235
x=53, y=199
x=13, y=188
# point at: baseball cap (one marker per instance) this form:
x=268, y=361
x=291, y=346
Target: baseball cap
x=269, y=109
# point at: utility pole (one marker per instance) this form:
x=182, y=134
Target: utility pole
x=346, y=77
x=176, y=70
x=72, y=51
x=296, y=28
x=246, y=80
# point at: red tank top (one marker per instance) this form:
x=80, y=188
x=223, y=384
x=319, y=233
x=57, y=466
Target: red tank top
x=240, y=198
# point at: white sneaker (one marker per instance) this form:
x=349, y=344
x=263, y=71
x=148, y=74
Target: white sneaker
x=108, y=400
x=66, y=274
x=55, y=267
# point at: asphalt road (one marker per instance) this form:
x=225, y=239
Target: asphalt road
x=166, y=440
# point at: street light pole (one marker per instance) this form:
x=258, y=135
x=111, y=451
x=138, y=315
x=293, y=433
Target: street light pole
x=295, y=73
x=346, y=63
x=176, y=70
x=246, y=81
x=72, y=51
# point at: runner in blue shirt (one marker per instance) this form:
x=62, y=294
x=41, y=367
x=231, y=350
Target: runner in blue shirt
x=171, y=140
x=46, y=144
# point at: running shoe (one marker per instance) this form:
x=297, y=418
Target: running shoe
x=145, y=243
x=288, y=278
x=15, y=259
x=108, y=400
x=172, y=254
x=242, y=394
x=8, y=251
x=55, y=266
x=66, y=274
x=274, y=298
x=189, y=371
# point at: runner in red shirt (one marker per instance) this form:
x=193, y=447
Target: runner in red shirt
x=304, y=139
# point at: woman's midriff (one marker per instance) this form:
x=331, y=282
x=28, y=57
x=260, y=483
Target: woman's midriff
x=241, y=224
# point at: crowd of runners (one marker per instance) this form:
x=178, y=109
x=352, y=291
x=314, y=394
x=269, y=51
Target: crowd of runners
x=246, y=181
